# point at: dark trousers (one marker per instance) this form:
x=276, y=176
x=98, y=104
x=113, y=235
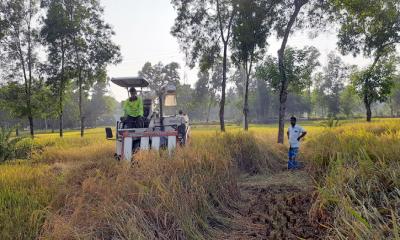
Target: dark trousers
x=134, y=122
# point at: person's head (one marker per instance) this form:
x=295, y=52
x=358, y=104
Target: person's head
x=132, y=92
x=293, y=120
x=180, y=112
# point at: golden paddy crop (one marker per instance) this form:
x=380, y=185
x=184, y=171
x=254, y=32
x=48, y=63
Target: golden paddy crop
x=72, y=188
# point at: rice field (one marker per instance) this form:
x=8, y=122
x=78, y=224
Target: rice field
x=72, y=188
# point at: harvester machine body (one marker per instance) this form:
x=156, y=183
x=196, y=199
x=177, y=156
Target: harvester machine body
x=162, y=128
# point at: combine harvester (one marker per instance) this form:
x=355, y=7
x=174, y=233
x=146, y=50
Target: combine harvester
x=163, y=128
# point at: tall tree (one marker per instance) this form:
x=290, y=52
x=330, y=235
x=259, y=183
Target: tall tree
x=185, y=94
x=159, y=74
x=250, y=32
x=97, y=106
x=299, y=67
x=201, y=93
x=311, y=13
x=263, y=96
x=204, y=29
x=205, y=92
x=57, y=33
x=381, y=78
x=395, y=98
x=335, y=74
x=372, y=28
x=349, y=101
x=20, y=44
x=92, y=46
x=3, y=21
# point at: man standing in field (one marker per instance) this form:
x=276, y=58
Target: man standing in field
x=295, y=133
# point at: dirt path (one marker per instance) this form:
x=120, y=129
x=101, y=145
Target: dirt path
x=275, y=207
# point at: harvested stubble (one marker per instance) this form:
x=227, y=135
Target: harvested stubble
x=185, y=195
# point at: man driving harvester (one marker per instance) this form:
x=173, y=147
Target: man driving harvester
x=133, y=110
x=295, y=133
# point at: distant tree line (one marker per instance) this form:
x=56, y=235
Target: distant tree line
x=329, y=92
x=235, y=35
x=53, y=58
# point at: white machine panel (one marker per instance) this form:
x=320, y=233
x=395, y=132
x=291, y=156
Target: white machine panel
x=144, y=143
x=155, y=143
x=118, y=147
x=171, y=142
x=128, y=149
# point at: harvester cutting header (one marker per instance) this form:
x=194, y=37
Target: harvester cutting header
x=150, y=119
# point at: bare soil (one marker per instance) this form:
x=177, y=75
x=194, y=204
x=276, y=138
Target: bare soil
x=275, y=207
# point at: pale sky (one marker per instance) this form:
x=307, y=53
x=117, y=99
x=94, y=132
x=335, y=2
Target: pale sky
x=142, y=30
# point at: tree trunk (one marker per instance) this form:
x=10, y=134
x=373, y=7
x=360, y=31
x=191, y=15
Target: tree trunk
x=225, y=41
x=284, y=81
x=209, y=110
x=60, y=115
x=367, y=101
x=282, y=111
x=30, y=118
x=17, y=131
x=82, y=126
x=369, y=112
x=222, y=103
x=82, y=118
x=45, y=124
x=246, y=99
x=391, y=106
x=61, y=92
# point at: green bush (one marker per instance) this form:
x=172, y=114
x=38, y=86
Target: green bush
x=25, y=148
x=7, y=144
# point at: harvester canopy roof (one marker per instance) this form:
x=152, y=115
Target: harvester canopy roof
x=128, y=82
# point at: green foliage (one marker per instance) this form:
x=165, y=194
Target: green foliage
x=3, y=22
x=15, y=147
x=375, y=84
x=7, y=144
x=250, y=31
x=26, y=147
x=160, y=74
x=19, y=56
x=349, y=101
x=203, y=28
x=395, y=97
x=300, y=64
x=185, y=98
x=370, y=27
x=332, y=122
x=334, y=76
